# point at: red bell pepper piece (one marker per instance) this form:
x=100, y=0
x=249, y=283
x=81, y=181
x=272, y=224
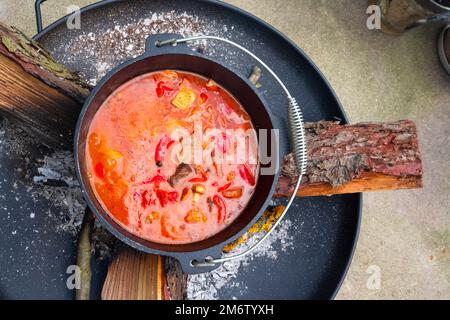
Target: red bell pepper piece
x=100, y=170
x=156, y=180
x=203, y=178
x=172, y=196
x=170, y=144
x=161, y=149
x=203, y=97
x=167, y=88
x=159, y=92
x=224, y=187
x=165, y=197
x=222, y=208
x=145, y=199
x=162, y=197
x=246, y=174
x=161, y=89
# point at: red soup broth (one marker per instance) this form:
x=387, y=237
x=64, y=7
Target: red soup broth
x=136, y=178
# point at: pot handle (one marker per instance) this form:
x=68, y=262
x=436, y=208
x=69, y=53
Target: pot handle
x=297, y=137
x=37, y=9
x=38, y=14
x=152, y=48
x=189, y=261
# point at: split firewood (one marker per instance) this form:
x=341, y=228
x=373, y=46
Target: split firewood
x=45, y=98
x=134, y=275
x=356, y=158
x=39, y=94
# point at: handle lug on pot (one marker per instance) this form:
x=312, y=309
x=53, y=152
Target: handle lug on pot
x=195, y=263
x=158, y=44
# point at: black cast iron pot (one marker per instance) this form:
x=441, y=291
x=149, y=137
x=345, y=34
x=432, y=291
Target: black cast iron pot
x=184, y=59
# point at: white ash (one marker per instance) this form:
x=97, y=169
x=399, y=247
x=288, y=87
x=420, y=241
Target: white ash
x=59, y=166
x=108, y=48
x=57, y=182
x=50, y=177
x=206, y=286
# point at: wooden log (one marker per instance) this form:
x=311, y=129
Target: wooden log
x=39, y=94
x=356, y=158
x=36, y=61
x=134, y=275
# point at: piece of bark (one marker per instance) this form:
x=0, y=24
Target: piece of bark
x=38, y=62
x=176, y=279
x=356, y=158
x=36, y=92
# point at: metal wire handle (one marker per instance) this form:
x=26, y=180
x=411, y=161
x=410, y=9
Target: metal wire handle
x=37, y=9
x=298, y=142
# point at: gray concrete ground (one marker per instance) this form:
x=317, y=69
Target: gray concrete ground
x=405, y=235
